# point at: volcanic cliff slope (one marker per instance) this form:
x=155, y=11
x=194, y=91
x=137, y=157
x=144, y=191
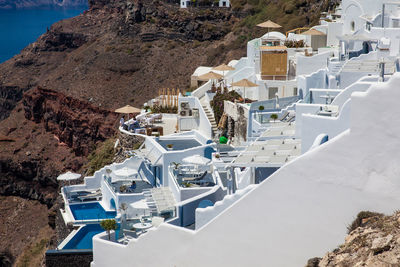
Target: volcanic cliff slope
x=373, y=240
x=116, y=53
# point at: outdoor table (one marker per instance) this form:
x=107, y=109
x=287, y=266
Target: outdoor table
x=142, y=226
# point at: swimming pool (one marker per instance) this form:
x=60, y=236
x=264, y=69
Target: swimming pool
x=179, y=144
x=83, y=238
x=90, y=211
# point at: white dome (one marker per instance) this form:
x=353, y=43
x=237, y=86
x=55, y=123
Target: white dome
x=274, y=36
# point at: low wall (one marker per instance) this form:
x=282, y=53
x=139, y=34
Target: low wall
x=188, y=209
x=205, y=215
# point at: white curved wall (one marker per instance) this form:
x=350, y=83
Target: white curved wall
x=299, y=212
x=313, y=125
x=204, y=215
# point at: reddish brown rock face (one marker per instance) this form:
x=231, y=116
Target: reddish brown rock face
x=47, y=134
x=76, y=123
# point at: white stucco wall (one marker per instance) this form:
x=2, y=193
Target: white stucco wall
x=314, y=125
x=204, y=215
x=308, y=65
x=335, y=29
x=301, y=211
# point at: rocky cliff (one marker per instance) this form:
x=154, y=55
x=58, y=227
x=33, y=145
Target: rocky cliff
x=62, y=132
x=373, y=240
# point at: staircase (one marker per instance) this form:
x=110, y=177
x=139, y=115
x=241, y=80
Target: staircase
x=210, y=116
x=335, y=67
x=159, y=200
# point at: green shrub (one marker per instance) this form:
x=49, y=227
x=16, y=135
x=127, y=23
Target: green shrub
x=108, y=225
x=34, y=251
x=217, y=104
x=161, y=109
x=274, y=117
x=102, y=156
x=261, y=108
x=294, y=44
x=360, y=217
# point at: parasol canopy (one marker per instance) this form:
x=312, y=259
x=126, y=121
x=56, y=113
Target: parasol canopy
x=128, y=109
x=269, y=24
x=244, y=83
x=210, y=76
x=196, y=159
x=223, y=67
x=313, y=32
x=126, y=172
x=68, y=176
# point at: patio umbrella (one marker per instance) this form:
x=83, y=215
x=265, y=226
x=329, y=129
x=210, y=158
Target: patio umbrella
x=313, y=32
x=196, y=159
x=127, y=109
x=244, y=83
x=210, y=76
x=68, y=176
x=269, y=25
x=223, y=68
x=126, y=172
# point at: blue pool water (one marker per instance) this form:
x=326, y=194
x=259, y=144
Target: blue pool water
x=91, y=211
x=83, y=238
x=20, y=27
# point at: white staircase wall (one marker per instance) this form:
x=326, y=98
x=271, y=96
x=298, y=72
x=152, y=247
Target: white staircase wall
x=299, y=212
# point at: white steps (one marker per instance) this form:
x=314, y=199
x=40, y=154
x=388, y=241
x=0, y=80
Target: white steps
x=210, y=115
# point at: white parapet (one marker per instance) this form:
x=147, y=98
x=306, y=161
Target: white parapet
x=302, y=210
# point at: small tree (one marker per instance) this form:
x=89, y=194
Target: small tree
x=108, y=225
x=176, y=165
x=274, y=117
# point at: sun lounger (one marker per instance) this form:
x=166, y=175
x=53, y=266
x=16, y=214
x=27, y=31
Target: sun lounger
x=95, y=195
x=195, y=178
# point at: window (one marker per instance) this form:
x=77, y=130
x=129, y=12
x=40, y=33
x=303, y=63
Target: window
x=271, y=92
x=352, y=26
x=368, y=26
x=295, y=91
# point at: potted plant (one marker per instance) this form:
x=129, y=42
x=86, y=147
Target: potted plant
x=108, y=225
x=169, y=147
x=122, y=188
x=176, y=165
x=217, y=156
x=261, y=108
x=274, y=117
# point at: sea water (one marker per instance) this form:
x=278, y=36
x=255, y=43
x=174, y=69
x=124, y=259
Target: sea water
x=20, y=27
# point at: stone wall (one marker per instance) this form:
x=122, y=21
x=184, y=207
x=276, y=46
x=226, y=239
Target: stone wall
x=81, y=258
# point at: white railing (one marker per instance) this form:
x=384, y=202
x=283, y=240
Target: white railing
x=174, y=186
x=199, y=92
x=204, y=124
x=205, y=215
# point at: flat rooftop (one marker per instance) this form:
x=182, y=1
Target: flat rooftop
x=168, y=123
